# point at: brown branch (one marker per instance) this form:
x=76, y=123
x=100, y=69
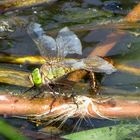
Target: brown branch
x=96, y=108
x=119, y=109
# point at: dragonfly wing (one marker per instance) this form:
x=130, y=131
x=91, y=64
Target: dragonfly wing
x=68, y=43
x=95, y=64
x=46, y=44
x=98, y=64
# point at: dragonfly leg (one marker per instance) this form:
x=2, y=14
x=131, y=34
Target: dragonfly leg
x=54, y=97
x=51, y=105
x=93, y=83
x=44, y=87
x=31, y=96
x=73, y=98
x=46, y=83
x=35, y=95
x=51, y=89
x=33, y=87
x=72, y=95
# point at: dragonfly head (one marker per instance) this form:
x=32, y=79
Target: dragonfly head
x=36, y=77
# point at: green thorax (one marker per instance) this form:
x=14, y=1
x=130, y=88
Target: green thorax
x=36, y=77
x=49, y=73
x=55, y=71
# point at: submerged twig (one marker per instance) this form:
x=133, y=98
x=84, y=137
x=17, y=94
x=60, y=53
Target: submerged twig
x=9, y=5
x=22, y=59
x=14, y=77
x=129, y=69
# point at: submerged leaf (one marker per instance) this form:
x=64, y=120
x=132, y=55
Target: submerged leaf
x=118, y=132
x=10, y=132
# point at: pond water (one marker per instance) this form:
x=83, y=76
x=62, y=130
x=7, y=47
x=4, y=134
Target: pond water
x=99, y=24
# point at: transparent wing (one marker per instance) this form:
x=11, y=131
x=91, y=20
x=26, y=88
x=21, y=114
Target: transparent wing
x=98, y=64
x=95, y=64
x=46, y=44
x=66, y=42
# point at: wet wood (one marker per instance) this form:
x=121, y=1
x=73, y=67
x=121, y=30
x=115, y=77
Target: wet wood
x=19, y=78
x=119, y=109
x=40, y=108
x=22, y=59
x=9, y=5
x=129, y=69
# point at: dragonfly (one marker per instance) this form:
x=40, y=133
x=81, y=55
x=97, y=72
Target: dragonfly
x=66, y=42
